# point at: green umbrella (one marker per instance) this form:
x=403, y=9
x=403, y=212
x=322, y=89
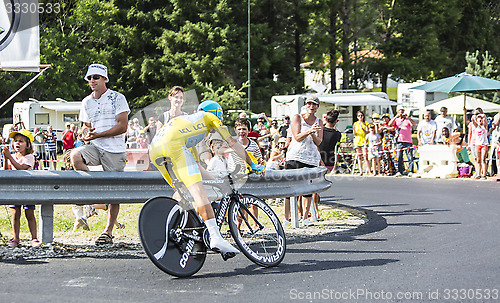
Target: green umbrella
x=463, y=82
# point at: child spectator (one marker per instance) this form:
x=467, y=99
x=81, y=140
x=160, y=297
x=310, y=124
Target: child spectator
x=51, y=146
x=481, y=134
x=277, y=157
x=22, y=159
x=374, y=148
x=242, y=128
x=218, y=164
x=142, y=141
x=79, y=139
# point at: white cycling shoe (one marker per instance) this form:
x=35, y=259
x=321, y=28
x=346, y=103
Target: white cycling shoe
x=220, y=245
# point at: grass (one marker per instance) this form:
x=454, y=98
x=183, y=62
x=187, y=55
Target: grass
x=64, y=220
x=392, y=92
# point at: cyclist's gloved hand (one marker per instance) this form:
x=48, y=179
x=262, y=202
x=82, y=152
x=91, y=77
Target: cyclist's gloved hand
x=257, y=167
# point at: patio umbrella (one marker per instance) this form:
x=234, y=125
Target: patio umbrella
x=463, y=82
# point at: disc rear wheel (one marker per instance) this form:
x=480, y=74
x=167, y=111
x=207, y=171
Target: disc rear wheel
x=159, y=220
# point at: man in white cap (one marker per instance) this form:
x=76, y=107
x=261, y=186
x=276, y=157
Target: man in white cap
x=105, y=113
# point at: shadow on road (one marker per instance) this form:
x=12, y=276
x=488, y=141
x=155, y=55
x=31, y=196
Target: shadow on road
x=304, y=266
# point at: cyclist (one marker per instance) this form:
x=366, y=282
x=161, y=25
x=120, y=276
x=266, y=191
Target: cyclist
x=177, y=140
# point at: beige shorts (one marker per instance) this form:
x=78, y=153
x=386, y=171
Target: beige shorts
x=93, y=155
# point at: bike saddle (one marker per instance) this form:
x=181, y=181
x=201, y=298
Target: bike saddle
x=161, y=161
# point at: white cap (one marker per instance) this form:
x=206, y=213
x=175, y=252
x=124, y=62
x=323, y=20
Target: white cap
x=399, y=107
x=97, y=69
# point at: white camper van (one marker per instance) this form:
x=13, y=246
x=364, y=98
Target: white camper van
x=346, y=103
x=34, y=113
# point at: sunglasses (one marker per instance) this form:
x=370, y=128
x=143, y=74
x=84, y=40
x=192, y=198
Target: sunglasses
x=95, y=77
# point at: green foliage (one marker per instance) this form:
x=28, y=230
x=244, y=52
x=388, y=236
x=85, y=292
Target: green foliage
x=152, y=45
x=483, y=66
x=230, y=98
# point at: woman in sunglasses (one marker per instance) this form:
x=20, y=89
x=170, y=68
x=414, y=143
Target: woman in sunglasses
x=360, y=128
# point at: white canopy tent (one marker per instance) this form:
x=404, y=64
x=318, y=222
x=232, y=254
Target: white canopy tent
x=356, y=99
x=455, y=105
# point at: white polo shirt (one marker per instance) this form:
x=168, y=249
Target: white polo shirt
x=101, y=114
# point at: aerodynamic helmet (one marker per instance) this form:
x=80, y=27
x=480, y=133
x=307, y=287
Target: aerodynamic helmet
x=211, y=107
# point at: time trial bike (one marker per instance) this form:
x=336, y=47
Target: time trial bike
x=177, y=241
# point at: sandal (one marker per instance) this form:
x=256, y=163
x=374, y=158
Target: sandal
x=13, y=243
x=120, y=225
x=104, y=238
x=35, y=243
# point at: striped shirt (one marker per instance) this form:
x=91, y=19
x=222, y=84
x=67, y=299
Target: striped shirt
x=50, y=142
x=252, y=148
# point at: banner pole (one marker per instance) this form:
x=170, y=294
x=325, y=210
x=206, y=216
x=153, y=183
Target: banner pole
x=24, y=86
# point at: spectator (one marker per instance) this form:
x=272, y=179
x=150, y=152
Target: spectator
x=377, y=123
x=137, y=127
x=38, y=145
x=131, y=136
x=22, y=159
x=284, y=128
x=374, y=148
x=495, y=139
x=264, y=139
x=51, y=146
x=176, y=97
x=68, y=139
x=243, y=115
x=106, y=136
x=262, y=118
x=331, y=136
x=242, y=127
x=386, y=160
x=307, y=134
x=472, y=133
x=275, y=133
x=443, y=120
x=403, y=124
x=426, y=130
x=456, y=141
x=277, y=157
x=142, y=141
x=82, y=133
x=481, y=133
x=360, y=128
x=218, y=165
x=150, y=129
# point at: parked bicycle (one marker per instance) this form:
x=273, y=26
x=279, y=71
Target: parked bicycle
x=176, y=239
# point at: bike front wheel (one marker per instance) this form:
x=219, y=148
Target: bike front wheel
x=159, y=220
x=257, y=231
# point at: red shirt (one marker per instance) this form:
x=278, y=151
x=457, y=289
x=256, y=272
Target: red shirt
x=68, y=140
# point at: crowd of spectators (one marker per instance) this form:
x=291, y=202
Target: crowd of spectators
x=303, y=140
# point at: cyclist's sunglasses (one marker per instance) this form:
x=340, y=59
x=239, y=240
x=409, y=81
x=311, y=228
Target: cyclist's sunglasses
x=95, y=77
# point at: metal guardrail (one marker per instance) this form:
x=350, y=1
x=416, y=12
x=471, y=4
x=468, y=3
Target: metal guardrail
x=47, y=188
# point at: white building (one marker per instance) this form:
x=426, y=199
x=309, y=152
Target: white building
x=416, y=98
x=320, y=82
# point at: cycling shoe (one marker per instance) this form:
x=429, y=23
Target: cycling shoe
x=222, y=246
x=227, y=256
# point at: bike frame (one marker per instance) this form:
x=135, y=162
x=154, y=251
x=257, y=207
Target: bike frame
x=224, y=204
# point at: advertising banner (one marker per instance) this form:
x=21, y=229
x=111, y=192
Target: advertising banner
x=19, y=35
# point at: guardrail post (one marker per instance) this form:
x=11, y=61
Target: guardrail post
x=46, y=226
x=294, y=212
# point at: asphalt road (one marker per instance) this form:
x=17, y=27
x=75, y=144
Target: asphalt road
x=427, y=241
